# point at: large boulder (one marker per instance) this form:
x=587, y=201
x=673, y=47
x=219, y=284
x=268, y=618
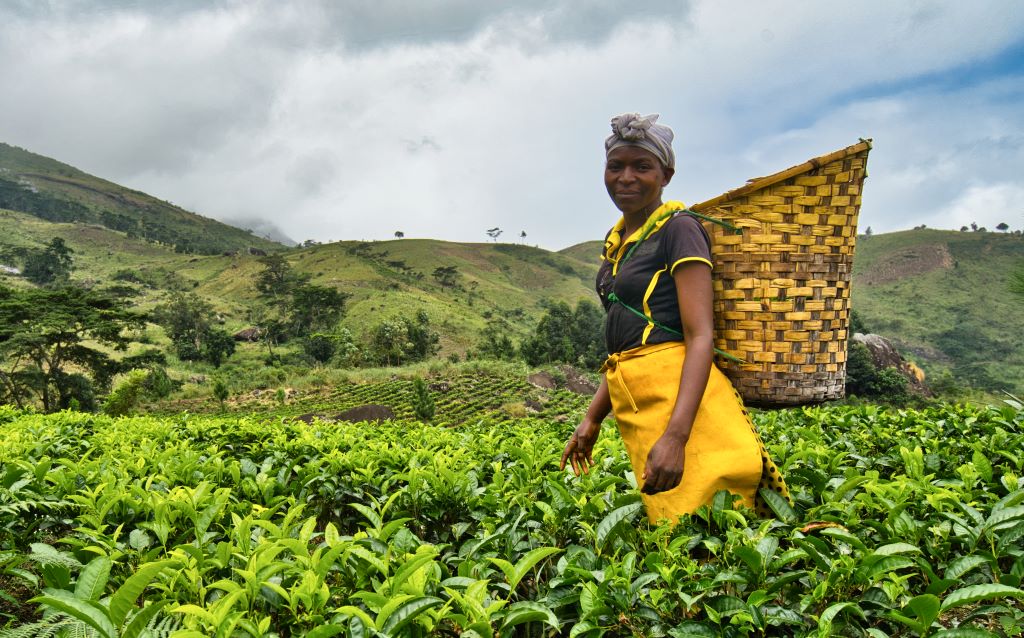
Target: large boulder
x=366, y=413
x=543, y=380
x=885, y=355
x=248, y=334
x=576, y=382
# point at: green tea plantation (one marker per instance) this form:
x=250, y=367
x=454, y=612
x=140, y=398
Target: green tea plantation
x=904, y=523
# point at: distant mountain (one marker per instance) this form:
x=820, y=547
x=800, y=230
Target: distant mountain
x=263, y=228
x=57, y=192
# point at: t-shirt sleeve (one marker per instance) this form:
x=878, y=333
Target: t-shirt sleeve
x=685, y=240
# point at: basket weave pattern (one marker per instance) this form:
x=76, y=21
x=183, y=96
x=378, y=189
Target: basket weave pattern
x=782, y=286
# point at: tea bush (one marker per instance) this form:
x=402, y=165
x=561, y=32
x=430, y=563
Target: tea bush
x=904, y=523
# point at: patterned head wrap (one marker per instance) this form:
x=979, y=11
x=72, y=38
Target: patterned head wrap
x=632, y=129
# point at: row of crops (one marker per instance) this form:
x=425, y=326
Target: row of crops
x=458, y=398
x=904, y=523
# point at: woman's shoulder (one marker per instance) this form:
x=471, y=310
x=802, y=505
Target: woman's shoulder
x=682, y=226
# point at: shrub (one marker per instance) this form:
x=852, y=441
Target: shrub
x=77, y=393
x=220, y=391
x=422, y=402
x=864, y=380
x=158, y=384
x=320, y=347
x=127, y=394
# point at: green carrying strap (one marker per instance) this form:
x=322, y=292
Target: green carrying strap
x=650, y=228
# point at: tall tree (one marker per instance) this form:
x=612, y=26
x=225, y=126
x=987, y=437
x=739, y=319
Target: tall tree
x=277, y=278
x=48, y=335
x=50, y=266
x=314, y=308
x=185, y=317
x=567, y=336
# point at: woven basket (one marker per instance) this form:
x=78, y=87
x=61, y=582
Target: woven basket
x=782, y=285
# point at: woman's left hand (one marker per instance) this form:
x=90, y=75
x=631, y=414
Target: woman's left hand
x=665, y=463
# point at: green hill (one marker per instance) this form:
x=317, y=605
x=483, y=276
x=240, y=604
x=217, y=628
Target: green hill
x=57, y=192
x=495, y=281
x=943, y=298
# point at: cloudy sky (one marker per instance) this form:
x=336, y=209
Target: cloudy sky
x=351, y=119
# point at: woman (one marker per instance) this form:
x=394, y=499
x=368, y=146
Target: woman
x=684, y=425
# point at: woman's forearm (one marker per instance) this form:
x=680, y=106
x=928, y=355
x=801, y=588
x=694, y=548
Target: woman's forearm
x=692, y=383
x=601, y=404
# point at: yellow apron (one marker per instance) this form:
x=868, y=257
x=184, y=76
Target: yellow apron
x=724, y=452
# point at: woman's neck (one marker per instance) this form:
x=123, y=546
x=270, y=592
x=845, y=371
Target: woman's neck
x=635, y=220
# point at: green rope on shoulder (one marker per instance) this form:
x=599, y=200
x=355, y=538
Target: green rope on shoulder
x=714, y=220
x=614, y=298
x=647, y=231
x=649, y=227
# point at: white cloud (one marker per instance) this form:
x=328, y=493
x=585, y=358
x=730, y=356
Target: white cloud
x=988, y=205
x=353, y=120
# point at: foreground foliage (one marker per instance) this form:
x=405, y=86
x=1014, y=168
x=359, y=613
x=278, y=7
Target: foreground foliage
x=906, y=523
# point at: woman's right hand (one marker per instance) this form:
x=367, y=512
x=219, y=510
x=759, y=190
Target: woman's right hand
x=579, y=449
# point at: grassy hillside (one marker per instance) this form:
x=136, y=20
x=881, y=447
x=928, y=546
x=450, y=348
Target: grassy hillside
x=943, y=297
x=50, y=190
x=386, y=279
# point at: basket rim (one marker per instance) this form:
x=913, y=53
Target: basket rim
x=761, y=182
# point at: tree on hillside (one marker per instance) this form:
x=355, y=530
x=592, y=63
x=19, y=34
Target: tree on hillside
x=399, y=234
x=493, y=233
x=496, y=344
x=294, y=307
x=1003, y=226
x=974, y=226
x=447, y=276
x=186, y=318
x=313, y=307
x=49, y=266
x=522, y=237
x=404, y=340
x=277, y=278
x=51, y=338
x=963, y=229
x=566, y=336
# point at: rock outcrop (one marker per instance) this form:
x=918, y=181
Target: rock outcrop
x=885, y=355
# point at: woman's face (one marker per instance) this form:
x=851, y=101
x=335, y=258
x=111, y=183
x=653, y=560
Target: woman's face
x=634, y=179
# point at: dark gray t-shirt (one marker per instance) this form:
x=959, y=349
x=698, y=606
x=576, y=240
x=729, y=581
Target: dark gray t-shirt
x=644, y=282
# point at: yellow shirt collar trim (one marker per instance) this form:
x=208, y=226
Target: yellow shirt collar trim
x=614, y=247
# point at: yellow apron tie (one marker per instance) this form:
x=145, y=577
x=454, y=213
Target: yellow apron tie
x=611, y=365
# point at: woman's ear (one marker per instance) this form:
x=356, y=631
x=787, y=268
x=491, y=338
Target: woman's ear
x=669, y=172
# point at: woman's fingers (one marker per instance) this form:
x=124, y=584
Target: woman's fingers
x=577, y=457
x=579, y=452
x=569, y=447
x=658, y=480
